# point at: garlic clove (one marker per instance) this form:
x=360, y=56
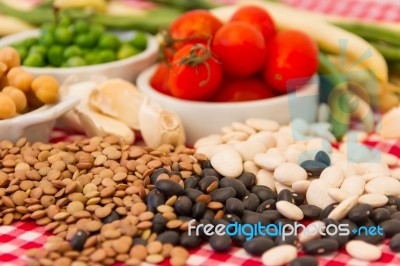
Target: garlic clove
x=158, y=126
x=119, y=99
x=95, y=124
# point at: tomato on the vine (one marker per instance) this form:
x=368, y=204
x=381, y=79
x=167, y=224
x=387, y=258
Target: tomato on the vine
x=257, y=17
x=195, y=74
x=293, y=58
x=159, y=80
x=196, y=26
x=241, y=49
x=246, y=89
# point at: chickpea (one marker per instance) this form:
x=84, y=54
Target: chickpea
x=10, y=57
x=3, y=69
x=17, y=96
x=33, y=101
x=7, y=106
x=19, y=78
x=46, y=89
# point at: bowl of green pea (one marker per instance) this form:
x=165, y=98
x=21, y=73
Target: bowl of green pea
x=82, y=49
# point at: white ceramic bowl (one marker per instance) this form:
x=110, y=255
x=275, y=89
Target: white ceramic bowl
x=204, y=118
x=127, y=69
x=36, y=125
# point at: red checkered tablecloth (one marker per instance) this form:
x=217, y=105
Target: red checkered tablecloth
x=16, y=239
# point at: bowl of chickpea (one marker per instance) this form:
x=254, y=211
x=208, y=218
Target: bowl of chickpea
x=29, y=106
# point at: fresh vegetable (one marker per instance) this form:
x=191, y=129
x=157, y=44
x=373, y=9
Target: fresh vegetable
x=195, y=73
x=246, y=89
x=257, y=17
x=159, y=80
x=292, y=60
x=64, y=44
x=241, y=49
x=196, y=26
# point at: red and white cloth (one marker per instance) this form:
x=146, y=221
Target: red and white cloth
x=16, y=239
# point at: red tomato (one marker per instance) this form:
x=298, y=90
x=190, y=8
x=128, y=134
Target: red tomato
x=293, y=57
x=159, y=81
x=241, y=49
x=257, y=17
x=194, y=77
x=247, y=89
x=196, y=26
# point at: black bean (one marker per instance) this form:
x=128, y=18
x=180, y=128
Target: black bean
x=239, y=187
x=239, y=239
x=183, y=205
x=350, y=225
x=372, y=239
x=390, y=227
x=154, y=199
x=113, y=216
x=220, y=221
x=285, y=195
x=311, y=211
x=394, y=243
x=220, y=243
x=379, y=215
x=206, y=164
x=328, y=209
x=395, y=215
x=264, y=193
x=273, y=215
x=289, y=240
x=192, y=181
x=367, y=224
x=78, y=240
x=323, y=157
x=156, y=173
x=258, y=245
x=320, y=246
x=199, y=208
x=266, y=205
x=232, y=218
x=298, y=198
x=210, y=172
x=234, y=206
x=170, y=236
x=251, y=202
x=247, y=179
x=203, y=235
x=190, y=240
x=329, y=221
x=206, y=182
x=192, y=193
x=252, y=218
x=360, y=213
x=304, y=261
x=222, y=194
x=256, y=188
x=140, y=241
x=284, y=221
x=168, y=187
x=342, y=239
x=394, y=202
x=313, y=168
x=391, y=209
x=209, y=215
x=159, y=222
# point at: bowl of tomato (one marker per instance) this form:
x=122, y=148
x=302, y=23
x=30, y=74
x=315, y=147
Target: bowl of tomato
x=216, y=73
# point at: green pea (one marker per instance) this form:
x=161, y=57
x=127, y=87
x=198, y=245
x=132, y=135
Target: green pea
x=22, y=51
x=76, y=61
x=92, y=58
x=47, y=39
x=106, y=56
x=64, y=21
x=55, y=55
x=48, y=28
x=30, y=41
x=72, y=50
x=126, y=51
x=85, y=40
x=139, y=41
x=109, y=41
x=34, y=60
x=96, y=29
x=81, y=26
x=40, y=49
x=63, y=35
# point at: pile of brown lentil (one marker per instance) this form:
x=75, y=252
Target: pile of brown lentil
x=91, y=194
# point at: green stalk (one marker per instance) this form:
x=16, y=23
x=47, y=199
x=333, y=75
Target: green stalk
x=34, y=16
x=390, y=53
x=188, y=4
x=371, y=32
x=334, y=89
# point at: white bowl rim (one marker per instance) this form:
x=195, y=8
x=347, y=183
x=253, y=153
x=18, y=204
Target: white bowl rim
x=143, y=83
x=152, y=47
